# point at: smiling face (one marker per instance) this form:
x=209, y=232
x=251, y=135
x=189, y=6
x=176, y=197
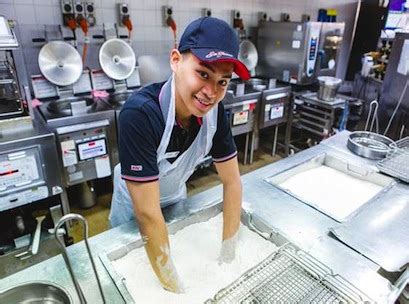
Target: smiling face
x=199, y=86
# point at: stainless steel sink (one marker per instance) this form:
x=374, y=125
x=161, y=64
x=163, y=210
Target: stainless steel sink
x=36, y=292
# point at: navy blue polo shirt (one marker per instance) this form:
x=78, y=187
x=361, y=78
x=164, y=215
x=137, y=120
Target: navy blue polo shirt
x=141, y=126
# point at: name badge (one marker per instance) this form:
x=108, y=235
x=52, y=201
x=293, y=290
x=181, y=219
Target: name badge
x=172, y=154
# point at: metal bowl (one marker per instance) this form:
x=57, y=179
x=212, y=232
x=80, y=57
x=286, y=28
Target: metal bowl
x=328, y=87
x=36, y=292
x=369, y=145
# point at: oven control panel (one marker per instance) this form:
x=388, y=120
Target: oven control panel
x=21, y=178
x=313, y=43
x=84, y=151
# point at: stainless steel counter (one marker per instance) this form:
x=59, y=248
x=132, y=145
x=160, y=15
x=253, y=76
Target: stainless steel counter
x=299, y=223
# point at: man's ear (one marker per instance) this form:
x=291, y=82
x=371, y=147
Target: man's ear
x=175, y=59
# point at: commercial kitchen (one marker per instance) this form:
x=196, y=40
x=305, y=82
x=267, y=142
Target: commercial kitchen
x=322, y=136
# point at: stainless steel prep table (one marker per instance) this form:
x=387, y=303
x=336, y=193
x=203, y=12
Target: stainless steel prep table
x=296, y=221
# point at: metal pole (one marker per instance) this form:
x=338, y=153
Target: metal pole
x=275, y=141
x=246, y=147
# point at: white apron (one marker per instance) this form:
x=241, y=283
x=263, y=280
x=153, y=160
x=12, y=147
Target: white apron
x=172, y=176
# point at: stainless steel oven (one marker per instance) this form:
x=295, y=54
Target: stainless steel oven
x=297, y=52
x=28, y=166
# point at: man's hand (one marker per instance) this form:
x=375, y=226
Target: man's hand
x=168, y=275
x=145, y=198
x=228, y=250
x=230, y=176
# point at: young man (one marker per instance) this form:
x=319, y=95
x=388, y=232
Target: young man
x=167, y=129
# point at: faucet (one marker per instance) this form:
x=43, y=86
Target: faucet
x=78, y=217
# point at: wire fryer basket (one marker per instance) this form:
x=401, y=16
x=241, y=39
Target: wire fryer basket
x=396, y=162
x=289, y=276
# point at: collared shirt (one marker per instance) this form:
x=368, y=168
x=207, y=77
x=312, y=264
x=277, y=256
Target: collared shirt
x=141, y=126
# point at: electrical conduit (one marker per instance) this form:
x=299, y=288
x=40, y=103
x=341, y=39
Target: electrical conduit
x=172, y=24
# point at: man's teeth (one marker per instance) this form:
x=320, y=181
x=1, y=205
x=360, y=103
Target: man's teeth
x=202, y=101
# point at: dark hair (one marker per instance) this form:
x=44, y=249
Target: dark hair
x=185, y=52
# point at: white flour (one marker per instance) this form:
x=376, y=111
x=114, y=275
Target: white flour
x=334, y=192
x=194, y=250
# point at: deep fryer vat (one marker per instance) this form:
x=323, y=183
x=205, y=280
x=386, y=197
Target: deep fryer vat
x=339, y=164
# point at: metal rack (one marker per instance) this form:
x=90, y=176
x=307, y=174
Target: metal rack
x=289, y=276
x=318, y=117
x=396, y=162
x=10, y=97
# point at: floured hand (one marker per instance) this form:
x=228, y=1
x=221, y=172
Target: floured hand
x=228, y=250
x=169, y=277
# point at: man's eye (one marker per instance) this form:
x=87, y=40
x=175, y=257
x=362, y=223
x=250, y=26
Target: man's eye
x=223, y=83
x=203, y=74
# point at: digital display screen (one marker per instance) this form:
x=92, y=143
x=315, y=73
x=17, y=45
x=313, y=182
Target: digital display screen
x=18, y=171
x=8, y=172
x=395, y=20
x=92, y=149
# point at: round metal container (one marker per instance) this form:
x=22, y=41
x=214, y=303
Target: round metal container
x=369, y=145
x=328, y=87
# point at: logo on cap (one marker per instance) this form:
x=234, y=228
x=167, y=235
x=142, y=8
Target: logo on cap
x=218, y=54
x=136, y=168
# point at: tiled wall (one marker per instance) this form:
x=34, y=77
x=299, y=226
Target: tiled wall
x=149, y=35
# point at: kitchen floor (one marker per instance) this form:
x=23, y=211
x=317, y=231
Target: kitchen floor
x=203, y=179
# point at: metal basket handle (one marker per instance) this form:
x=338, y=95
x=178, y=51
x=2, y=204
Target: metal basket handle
x=373, y=107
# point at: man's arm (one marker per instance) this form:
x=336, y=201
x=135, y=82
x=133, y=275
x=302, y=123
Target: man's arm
x=146, y=202
x=232, y=193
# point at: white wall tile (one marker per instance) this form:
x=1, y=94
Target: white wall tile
x=150, y=4
x=135, y=4
x=25, y=14
x=43, y=2
x=110, y=4
x=45, y=14
x=109, y=15
x=138, y=34
x=23, y=2
x=8, y=10
x=150, y=18
x=57, y=14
